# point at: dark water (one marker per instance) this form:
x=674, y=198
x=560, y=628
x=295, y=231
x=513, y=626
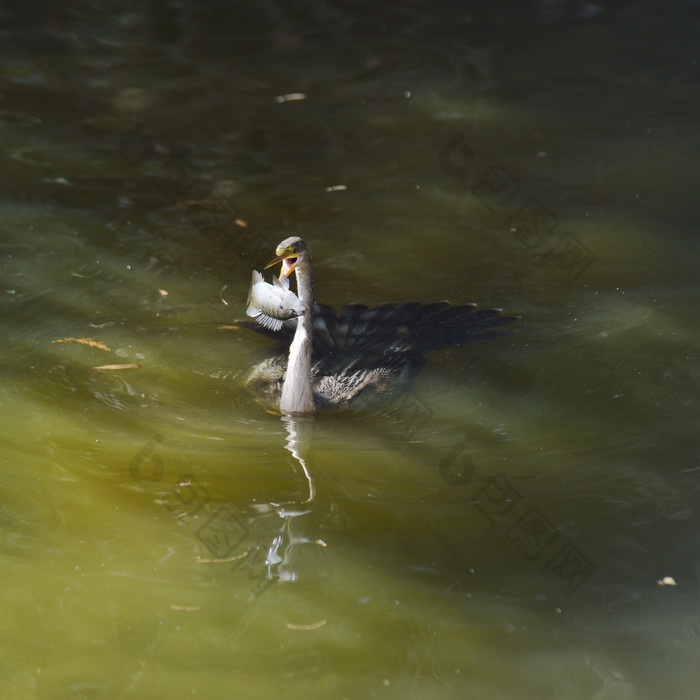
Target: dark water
x=522, y=523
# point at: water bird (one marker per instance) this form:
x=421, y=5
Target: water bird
x=272, y=304
x=362, y=356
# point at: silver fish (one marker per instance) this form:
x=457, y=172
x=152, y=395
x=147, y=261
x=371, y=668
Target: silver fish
x=272, y=304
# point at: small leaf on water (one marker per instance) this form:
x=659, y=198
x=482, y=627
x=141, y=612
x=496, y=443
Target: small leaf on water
x=131, y=366
x=313, y=626
x=84, y=341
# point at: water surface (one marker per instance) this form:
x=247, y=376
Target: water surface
x=521, y=523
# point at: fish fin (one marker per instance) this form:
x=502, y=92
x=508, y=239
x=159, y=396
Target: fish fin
x=274, y=324
x=283, y=283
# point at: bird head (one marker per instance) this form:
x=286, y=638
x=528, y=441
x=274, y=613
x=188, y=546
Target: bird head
x=290, y=252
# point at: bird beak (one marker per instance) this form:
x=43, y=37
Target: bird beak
x=289, y=262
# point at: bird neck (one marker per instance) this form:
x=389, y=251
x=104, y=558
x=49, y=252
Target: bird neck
x=305, y=285
x=297, y=394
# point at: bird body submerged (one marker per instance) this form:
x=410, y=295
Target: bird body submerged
x=272, y=304
x=361, y=356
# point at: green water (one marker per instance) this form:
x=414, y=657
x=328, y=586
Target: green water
x=501, y=531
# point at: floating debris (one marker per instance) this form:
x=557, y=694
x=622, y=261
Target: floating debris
x=130, y=366
x=290, y=97
x=313, y=626
x=84, y=341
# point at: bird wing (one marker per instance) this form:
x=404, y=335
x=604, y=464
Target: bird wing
x=410, y=327
x=396, y=328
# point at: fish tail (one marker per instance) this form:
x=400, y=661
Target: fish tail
x=252, y=310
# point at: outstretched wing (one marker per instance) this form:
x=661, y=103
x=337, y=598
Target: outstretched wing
x=406, y=328
x=411, y=328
